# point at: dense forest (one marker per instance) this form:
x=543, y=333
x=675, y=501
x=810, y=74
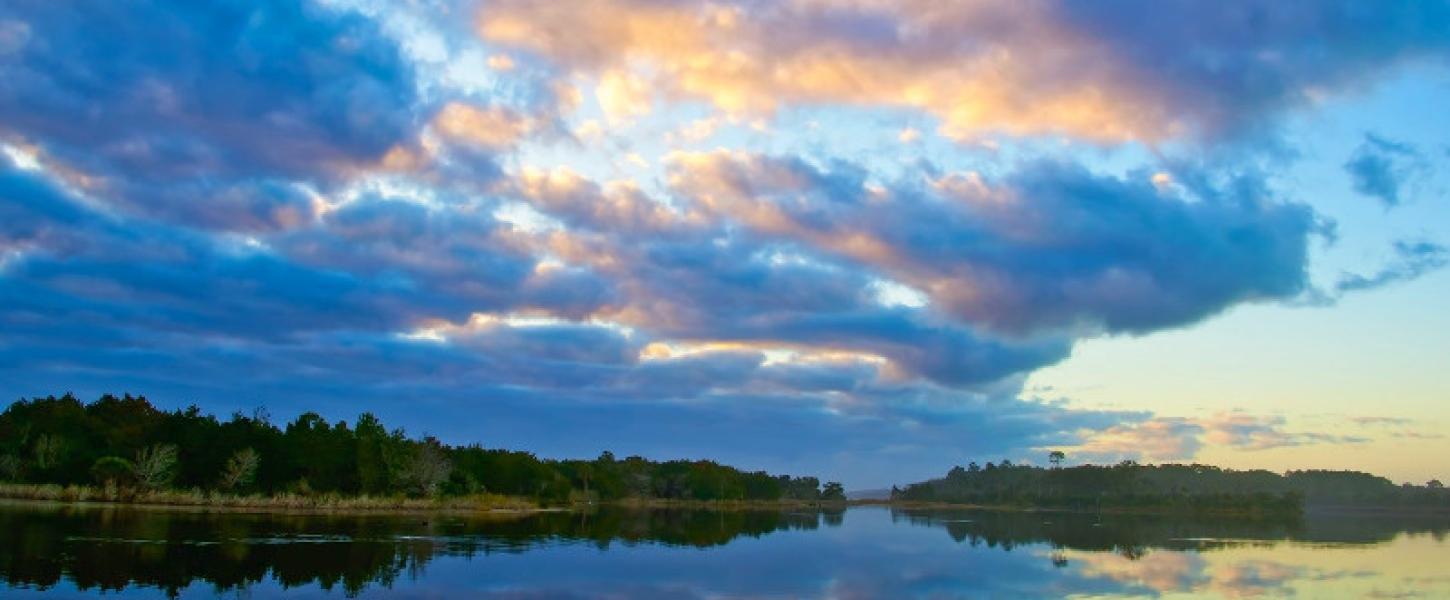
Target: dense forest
x=124, y=442
x=1173, y=487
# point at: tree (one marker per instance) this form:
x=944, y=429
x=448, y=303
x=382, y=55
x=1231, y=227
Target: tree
x=585, y=472
x=373, y=445
x=833, y=491
x=156, y=466
x=427, y=468
x=112, y=471
x=10, y=467
x=1056, y=457
x=49, y=449
x=240, y=470
x=1434, y=484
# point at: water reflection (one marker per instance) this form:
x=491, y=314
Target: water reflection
x=56, y=551
x=111, y=548
x=1157, y=555
x=1133, y=535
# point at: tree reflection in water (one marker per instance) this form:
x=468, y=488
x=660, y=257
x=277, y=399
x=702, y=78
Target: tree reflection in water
x=872, y=552
x=113, y=548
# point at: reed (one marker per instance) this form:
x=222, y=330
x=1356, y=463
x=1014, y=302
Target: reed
x=282, y=501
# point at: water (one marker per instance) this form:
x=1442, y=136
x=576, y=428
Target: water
x=55, y=551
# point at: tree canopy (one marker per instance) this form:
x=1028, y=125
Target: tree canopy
x=125, y=439
x=1188, y=487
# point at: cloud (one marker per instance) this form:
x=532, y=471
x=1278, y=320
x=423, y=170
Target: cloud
x=1048, y=246
x=1163, y=439
x=1380, y=421
x=491, y=127
x=617, y=207
x=686, y=311
x=205, y=113
x=384, y=299
x=1412, y=259
x=623, y=96
x=1417, y=435
x=1249, y=432
x=1379, y=167
x=375, y=264
x=1181, y=438
x=1096, y=72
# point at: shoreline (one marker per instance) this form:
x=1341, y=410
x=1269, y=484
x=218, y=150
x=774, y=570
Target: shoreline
x=485, y=504
x=1104, y=510
x=498, y=505
x=290, y=503
x=1308, y=510
x=501, y=513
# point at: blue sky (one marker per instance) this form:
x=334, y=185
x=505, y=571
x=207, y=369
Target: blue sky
x=866, y=239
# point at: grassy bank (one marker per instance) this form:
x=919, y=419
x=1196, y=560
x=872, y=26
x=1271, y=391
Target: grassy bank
x=342, y=503
x=285, y=501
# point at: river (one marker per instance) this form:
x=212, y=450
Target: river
x=59, y=551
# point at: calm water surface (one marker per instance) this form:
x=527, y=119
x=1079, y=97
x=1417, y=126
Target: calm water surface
x=63, y=552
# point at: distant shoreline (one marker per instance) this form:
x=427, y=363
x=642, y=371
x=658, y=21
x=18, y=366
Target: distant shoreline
x=1318, y=510
x=1113, y=510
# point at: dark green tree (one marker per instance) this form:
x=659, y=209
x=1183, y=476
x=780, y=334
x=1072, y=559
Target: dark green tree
x=113, y=471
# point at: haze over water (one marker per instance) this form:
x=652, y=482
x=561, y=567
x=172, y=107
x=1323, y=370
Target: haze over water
x=863, y=552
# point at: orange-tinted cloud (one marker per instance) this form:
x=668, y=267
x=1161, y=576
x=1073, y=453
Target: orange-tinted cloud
x=755, y=61
x=1098, y=71
x=486, y=127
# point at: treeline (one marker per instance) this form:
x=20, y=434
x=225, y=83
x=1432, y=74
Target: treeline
x=1168, y=487
x=123, y=442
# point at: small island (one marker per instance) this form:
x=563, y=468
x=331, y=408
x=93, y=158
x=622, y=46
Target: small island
x=1170, y=488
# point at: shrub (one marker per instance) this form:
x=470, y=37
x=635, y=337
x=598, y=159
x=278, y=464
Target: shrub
x=113, y=471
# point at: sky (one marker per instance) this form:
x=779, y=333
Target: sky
x=862, y=239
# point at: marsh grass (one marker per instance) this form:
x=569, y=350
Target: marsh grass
x=283, y=501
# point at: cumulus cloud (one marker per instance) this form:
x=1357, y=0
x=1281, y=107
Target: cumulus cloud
x=1049, y=245
x=383, y=299
x=1107, y=71
x=492, y=127
x=204, y=113
x=386, y=294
